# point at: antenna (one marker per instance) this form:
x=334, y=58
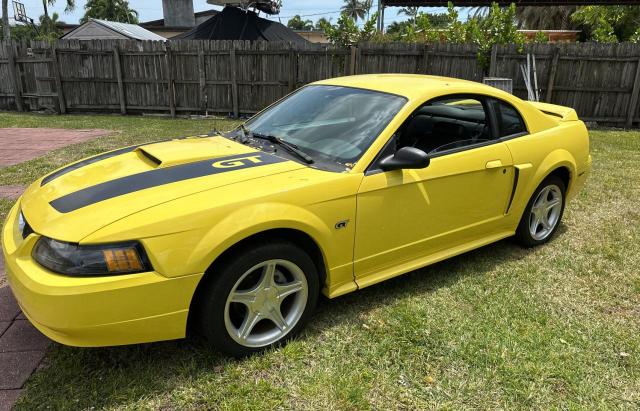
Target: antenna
x=266, y=6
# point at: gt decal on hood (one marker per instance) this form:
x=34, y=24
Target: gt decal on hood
x=158, y=177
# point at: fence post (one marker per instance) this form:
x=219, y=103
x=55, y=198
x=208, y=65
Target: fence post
x=552, y=74
x=293, y=70
x=58, y=80
x=202, y=78
x=118, y=70
x=172, y=96
x=352, y=62
x=493, y=64
x=425, y=59
x=633, y=104
x=14, y=73
x=234, y=82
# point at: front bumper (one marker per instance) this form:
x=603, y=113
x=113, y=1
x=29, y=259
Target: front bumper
x=95, y=311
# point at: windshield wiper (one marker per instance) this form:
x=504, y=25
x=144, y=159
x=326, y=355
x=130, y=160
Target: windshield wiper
x=292, y=148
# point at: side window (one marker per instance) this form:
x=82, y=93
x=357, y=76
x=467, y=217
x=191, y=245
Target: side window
x=509, y=120
x=446, y=123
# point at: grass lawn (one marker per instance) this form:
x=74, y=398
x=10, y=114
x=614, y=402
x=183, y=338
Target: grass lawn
x=501, y=327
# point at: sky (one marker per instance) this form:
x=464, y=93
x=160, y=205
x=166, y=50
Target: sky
x=152, y=10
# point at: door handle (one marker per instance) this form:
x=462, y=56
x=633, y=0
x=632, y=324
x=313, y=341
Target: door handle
x=493, y=164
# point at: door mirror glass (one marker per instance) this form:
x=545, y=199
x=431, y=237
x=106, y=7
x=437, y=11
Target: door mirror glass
x=405, y=158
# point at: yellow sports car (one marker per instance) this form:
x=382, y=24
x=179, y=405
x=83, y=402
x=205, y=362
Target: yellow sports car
x=342, y=184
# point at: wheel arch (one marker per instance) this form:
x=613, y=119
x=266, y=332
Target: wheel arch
x=294, y=235
x=560, y=163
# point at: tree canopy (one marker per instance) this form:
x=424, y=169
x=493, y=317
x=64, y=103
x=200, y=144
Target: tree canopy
x=112, y=10
x=297, y=23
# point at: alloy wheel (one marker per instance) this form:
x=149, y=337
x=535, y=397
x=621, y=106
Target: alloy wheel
x=266, y=303
x=545, y=212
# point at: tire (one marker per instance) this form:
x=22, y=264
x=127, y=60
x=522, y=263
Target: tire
x=237, y=310
x=544, y=217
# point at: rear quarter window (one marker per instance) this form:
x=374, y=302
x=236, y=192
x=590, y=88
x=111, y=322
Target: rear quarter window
x=509, y=120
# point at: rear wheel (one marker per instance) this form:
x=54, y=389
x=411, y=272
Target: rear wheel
x=259, y=298
x=543, y=213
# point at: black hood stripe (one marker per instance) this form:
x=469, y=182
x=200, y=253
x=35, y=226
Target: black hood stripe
x=86, y=162
x=158, y=177
x=104, y=156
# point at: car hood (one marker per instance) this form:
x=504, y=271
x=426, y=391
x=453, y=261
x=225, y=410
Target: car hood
x=76, y=200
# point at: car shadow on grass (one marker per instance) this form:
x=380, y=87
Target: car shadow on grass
x=116, y=376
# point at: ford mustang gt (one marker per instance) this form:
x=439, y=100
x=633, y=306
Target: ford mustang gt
x=340, y=185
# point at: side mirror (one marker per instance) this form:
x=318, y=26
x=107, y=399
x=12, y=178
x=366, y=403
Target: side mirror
x=405, y=158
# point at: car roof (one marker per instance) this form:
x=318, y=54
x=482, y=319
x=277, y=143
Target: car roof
x=409, y=85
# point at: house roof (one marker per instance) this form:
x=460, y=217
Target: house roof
x=131, y=31
x=235, y=24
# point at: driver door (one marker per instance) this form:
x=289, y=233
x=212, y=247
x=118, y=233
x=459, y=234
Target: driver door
x=404, y=216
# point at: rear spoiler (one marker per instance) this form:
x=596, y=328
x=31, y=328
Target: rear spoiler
x=559, y=113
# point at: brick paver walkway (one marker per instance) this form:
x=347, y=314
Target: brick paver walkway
x=11, y=192
x=22, y=144
x=22, y=347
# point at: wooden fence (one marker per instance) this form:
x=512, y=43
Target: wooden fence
x=601, y=81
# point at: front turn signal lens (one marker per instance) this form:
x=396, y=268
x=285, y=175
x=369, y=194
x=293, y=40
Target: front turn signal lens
x=122, y=260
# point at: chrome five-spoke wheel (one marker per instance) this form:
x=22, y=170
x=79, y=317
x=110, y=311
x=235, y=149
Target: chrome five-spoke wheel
x=545, y=212
x=266, y=302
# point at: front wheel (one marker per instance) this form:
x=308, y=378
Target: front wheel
x=543, y=213
x=259, y=298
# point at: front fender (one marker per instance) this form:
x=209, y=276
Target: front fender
x=253, y=219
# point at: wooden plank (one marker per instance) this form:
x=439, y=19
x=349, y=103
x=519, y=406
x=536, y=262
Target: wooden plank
x=234, y=81
x=293, y=70
x=29, y=60
x=493, y=64
x=202, y=79
x=56, y=75
x=117, y=65
x=14, y=73
x=425, y=59
x=352, y=60
x=552, y=74
x=633, y=104
x=171, y=86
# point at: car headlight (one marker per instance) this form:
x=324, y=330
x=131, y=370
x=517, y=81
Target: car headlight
x=91, y=260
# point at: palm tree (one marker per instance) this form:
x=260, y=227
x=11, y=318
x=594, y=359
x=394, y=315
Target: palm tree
x=545, y=18
x=112, y=10
x=71, y=4
x=356, y=9
x=321, y=23
x=412, y=12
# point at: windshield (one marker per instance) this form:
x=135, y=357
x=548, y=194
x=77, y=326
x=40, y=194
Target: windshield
x=329, y=123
